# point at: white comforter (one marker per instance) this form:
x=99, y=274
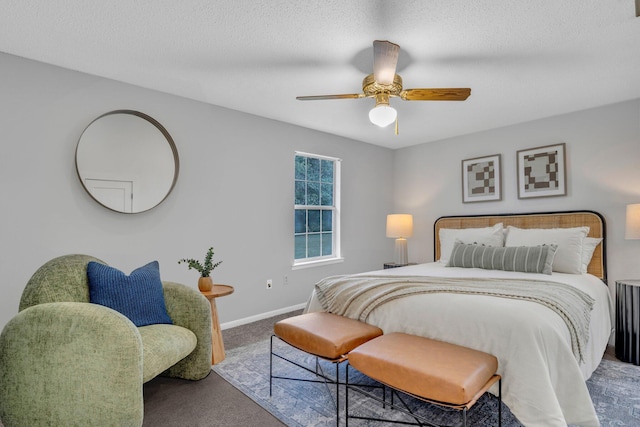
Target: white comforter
x=543, y=384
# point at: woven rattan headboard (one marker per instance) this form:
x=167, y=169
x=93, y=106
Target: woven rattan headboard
x=593, y=220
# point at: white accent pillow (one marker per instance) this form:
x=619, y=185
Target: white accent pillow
x=588, y=247
x=489, y=236
x=568, y=257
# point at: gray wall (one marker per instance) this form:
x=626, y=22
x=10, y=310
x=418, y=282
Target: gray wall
x=234, y=192
x=603, y=174
x=235, y=188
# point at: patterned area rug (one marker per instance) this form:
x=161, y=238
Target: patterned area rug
x=614, y=388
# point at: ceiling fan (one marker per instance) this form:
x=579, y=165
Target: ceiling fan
x=384, y=83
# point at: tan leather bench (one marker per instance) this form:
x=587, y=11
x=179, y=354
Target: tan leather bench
x=435, y=371
x=324, y=335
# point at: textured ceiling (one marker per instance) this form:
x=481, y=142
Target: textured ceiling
x=523, y=59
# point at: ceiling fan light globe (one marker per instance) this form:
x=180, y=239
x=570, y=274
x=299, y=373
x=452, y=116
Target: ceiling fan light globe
x=383, y=115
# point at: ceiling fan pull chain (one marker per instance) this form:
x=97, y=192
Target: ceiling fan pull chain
x=396, y=125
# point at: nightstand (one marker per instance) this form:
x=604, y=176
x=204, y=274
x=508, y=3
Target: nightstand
x=628, y=321
x=388, y=265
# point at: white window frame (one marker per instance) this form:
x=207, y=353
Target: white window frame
x=336, y=255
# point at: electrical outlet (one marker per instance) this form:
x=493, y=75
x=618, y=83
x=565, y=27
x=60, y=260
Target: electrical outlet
x=269, y=284
x=285, y=281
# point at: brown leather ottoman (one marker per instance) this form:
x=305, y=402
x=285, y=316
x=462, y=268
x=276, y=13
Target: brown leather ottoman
x=324, y=335
x=435, y=371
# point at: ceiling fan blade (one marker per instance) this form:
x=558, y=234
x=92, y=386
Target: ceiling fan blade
x=318, y=97
x=385, y=59
x=441, y=94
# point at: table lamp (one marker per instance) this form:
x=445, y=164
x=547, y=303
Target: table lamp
x=399, y=227
x=632, y=230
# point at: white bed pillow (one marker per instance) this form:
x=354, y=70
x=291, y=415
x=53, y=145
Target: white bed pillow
x=588, y=247
x=489, y=236
x=568, y=257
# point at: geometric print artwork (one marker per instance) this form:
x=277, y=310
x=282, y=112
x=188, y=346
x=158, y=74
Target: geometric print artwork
x=541, y=171
x=481, y=179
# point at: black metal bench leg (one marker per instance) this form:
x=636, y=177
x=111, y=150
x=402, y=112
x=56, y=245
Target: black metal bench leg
x=346, y=398
x=271, y=366
x=337, y=394
x=500, y=402
x=318, y=371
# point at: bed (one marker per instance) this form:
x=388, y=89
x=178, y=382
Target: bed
x=543, y=361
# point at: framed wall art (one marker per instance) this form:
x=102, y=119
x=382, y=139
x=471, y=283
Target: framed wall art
x=542, y=172
x=481, y=180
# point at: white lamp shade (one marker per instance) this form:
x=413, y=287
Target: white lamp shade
x=399, y=225
x=382, y=115
x=633, y=222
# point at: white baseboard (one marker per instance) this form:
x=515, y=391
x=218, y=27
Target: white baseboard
x=257, y=317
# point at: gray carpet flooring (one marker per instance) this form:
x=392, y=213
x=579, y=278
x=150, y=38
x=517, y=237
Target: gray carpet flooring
x=170, y=402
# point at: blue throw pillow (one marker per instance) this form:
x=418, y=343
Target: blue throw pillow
x=139, y=296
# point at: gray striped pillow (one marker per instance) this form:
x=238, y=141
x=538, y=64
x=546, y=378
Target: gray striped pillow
x=526, y=259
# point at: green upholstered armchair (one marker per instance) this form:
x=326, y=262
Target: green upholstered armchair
x=65, y=361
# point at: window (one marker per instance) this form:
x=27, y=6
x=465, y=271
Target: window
x=316, y=209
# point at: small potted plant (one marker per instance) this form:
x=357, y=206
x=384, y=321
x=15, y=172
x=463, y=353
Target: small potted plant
x=204, y=282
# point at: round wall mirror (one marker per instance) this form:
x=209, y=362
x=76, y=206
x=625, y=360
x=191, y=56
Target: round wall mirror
x=127, y=161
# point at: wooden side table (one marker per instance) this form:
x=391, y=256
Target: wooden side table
x=217, y=346
x=628, y=321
